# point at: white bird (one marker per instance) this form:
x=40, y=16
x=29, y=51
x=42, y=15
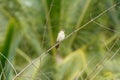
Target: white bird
x=60, y=37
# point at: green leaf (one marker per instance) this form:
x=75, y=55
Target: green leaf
x=12, y=39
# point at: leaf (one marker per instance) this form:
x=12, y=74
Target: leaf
x=12, y=40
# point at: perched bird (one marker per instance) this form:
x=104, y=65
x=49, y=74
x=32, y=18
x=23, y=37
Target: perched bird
x=60, y=37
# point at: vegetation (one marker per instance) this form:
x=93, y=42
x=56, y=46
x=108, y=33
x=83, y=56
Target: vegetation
x=28, y=32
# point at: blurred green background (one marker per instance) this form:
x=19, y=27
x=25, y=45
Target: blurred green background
x=28, y=28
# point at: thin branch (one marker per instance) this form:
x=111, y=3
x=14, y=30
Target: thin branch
x=3, y=71
x=47, y=20
x=81, y=27
x=9, y=62
x=103, y=26
x=80, y=74
x=103, y=60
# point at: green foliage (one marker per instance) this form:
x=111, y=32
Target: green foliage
x=28, y=30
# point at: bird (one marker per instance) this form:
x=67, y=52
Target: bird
x=60, y=37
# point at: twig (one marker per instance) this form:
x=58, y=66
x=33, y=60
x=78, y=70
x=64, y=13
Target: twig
x=9, y=62
x=103, y=60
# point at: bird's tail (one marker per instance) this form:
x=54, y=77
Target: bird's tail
x=57, y=46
